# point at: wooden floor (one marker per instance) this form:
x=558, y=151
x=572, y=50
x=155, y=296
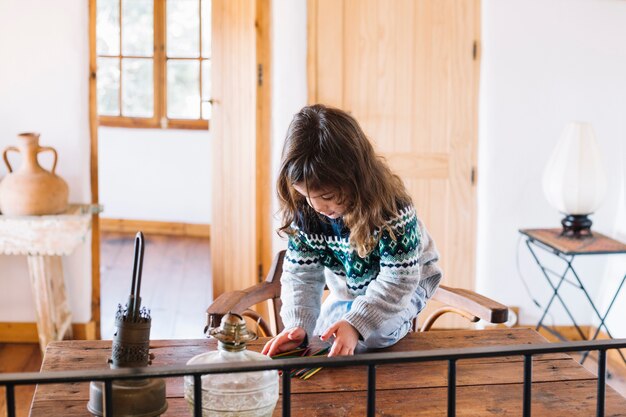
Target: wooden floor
x=176, y=284
x=19, y=357
x=616, y=376
x=616, y=369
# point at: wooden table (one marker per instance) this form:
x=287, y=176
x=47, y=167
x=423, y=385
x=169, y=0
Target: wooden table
x=44, y=240
x=490, y=386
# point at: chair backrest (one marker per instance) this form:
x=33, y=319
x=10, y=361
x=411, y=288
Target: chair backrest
x=466, y=303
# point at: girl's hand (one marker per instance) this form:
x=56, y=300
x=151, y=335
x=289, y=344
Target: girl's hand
x=286, y=340
x=346, y=338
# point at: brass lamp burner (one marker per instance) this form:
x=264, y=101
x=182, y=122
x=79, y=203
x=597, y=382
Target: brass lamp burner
x=232, y=335
x=131, y=345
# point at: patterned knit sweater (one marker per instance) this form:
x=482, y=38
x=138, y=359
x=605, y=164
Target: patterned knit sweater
x=381, y=284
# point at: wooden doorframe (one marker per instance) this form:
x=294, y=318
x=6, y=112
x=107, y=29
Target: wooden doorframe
x=240, y=235
x=93, y=158
x=263, y=150
x=263, y=147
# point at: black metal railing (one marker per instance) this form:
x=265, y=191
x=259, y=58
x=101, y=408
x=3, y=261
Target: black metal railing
x=371, y=360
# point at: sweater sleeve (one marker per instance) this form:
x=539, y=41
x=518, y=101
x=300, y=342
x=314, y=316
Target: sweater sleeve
x=302, y=285
x=407, y=262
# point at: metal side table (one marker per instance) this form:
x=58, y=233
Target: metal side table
x=567, y=249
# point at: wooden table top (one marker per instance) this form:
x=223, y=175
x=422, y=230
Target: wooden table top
x=485, y=387
x=597, y=244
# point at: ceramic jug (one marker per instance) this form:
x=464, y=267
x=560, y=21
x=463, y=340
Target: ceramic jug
x=31, y=190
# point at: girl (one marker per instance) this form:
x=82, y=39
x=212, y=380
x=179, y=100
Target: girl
x=351, y=226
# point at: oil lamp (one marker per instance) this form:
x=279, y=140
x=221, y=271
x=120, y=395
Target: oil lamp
x=131, y=344
x=242, y=394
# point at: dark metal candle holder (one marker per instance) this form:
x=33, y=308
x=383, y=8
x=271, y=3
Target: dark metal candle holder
x=131, y=345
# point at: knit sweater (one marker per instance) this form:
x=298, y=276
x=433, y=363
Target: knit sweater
x=381, y=285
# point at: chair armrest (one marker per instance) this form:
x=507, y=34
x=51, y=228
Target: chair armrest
x=472, y=303
x=239, y=301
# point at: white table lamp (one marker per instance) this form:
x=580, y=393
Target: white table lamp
x=574, y=180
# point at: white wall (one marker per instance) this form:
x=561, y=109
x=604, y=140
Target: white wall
x=545, y=63
x=289, y=85
x=44, y=72
x=155, y=174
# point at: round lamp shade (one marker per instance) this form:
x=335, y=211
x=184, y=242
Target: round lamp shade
x=574, y=180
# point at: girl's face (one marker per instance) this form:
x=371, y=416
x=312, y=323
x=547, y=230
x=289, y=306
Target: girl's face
x=325, y=200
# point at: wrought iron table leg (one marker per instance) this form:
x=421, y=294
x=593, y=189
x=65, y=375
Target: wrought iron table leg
x=603, y=319
x=569, y=261
x=556, y=292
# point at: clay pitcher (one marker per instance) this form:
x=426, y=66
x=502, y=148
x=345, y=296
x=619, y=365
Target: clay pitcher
x=31, y=190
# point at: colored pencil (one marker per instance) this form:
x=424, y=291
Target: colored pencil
x=303, y=373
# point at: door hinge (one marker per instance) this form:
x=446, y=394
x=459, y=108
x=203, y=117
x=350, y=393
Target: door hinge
x=260, y=75
x=260, y=272
x=475, y=50
x=473, y=176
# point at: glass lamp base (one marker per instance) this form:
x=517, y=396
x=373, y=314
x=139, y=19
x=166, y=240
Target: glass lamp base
x=576, y=226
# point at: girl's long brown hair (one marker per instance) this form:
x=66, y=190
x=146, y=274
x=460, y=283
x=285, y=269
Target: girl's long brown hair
x=326, y=148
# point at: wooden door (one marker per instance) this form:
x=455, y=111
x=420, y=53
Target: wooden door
x=239, y=136
x=408, y=71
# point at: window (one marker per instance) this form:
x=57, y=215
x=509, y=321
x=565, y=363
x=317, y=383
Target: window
x=154, y=63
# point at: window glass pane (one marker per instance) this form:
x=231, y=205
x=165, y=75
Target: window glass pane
x=183, y=89
x=137, y=32
x=108, y=85
x=206, y=28
x=206, y=89
x=108, y=27
x=183, y=28
x=137, y=87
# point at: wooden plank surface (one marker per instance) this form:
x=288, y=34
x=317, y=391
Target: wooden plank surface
x=263, y=132
x=565, y=399
x=388, y=377
x=75, y=354
x=234, y=239
x=176, y=407
x=132, y=226
x=93, y=170
x=596, y=244
x=26, y=332
x=486, y=386
x=19, y=357
x=54, y=318
x=176, y=285
x=555, y=399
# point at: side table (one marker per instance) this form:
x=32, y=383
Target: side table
x=566, y=249
x=44, y=239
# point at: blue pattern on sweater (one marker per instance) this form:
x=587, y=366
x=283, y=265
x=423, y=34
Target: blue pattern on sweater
x=326, y=241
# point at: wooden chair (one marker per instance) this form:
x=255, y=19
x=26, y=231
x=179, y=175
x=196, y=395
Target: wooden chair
x=466, y=303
